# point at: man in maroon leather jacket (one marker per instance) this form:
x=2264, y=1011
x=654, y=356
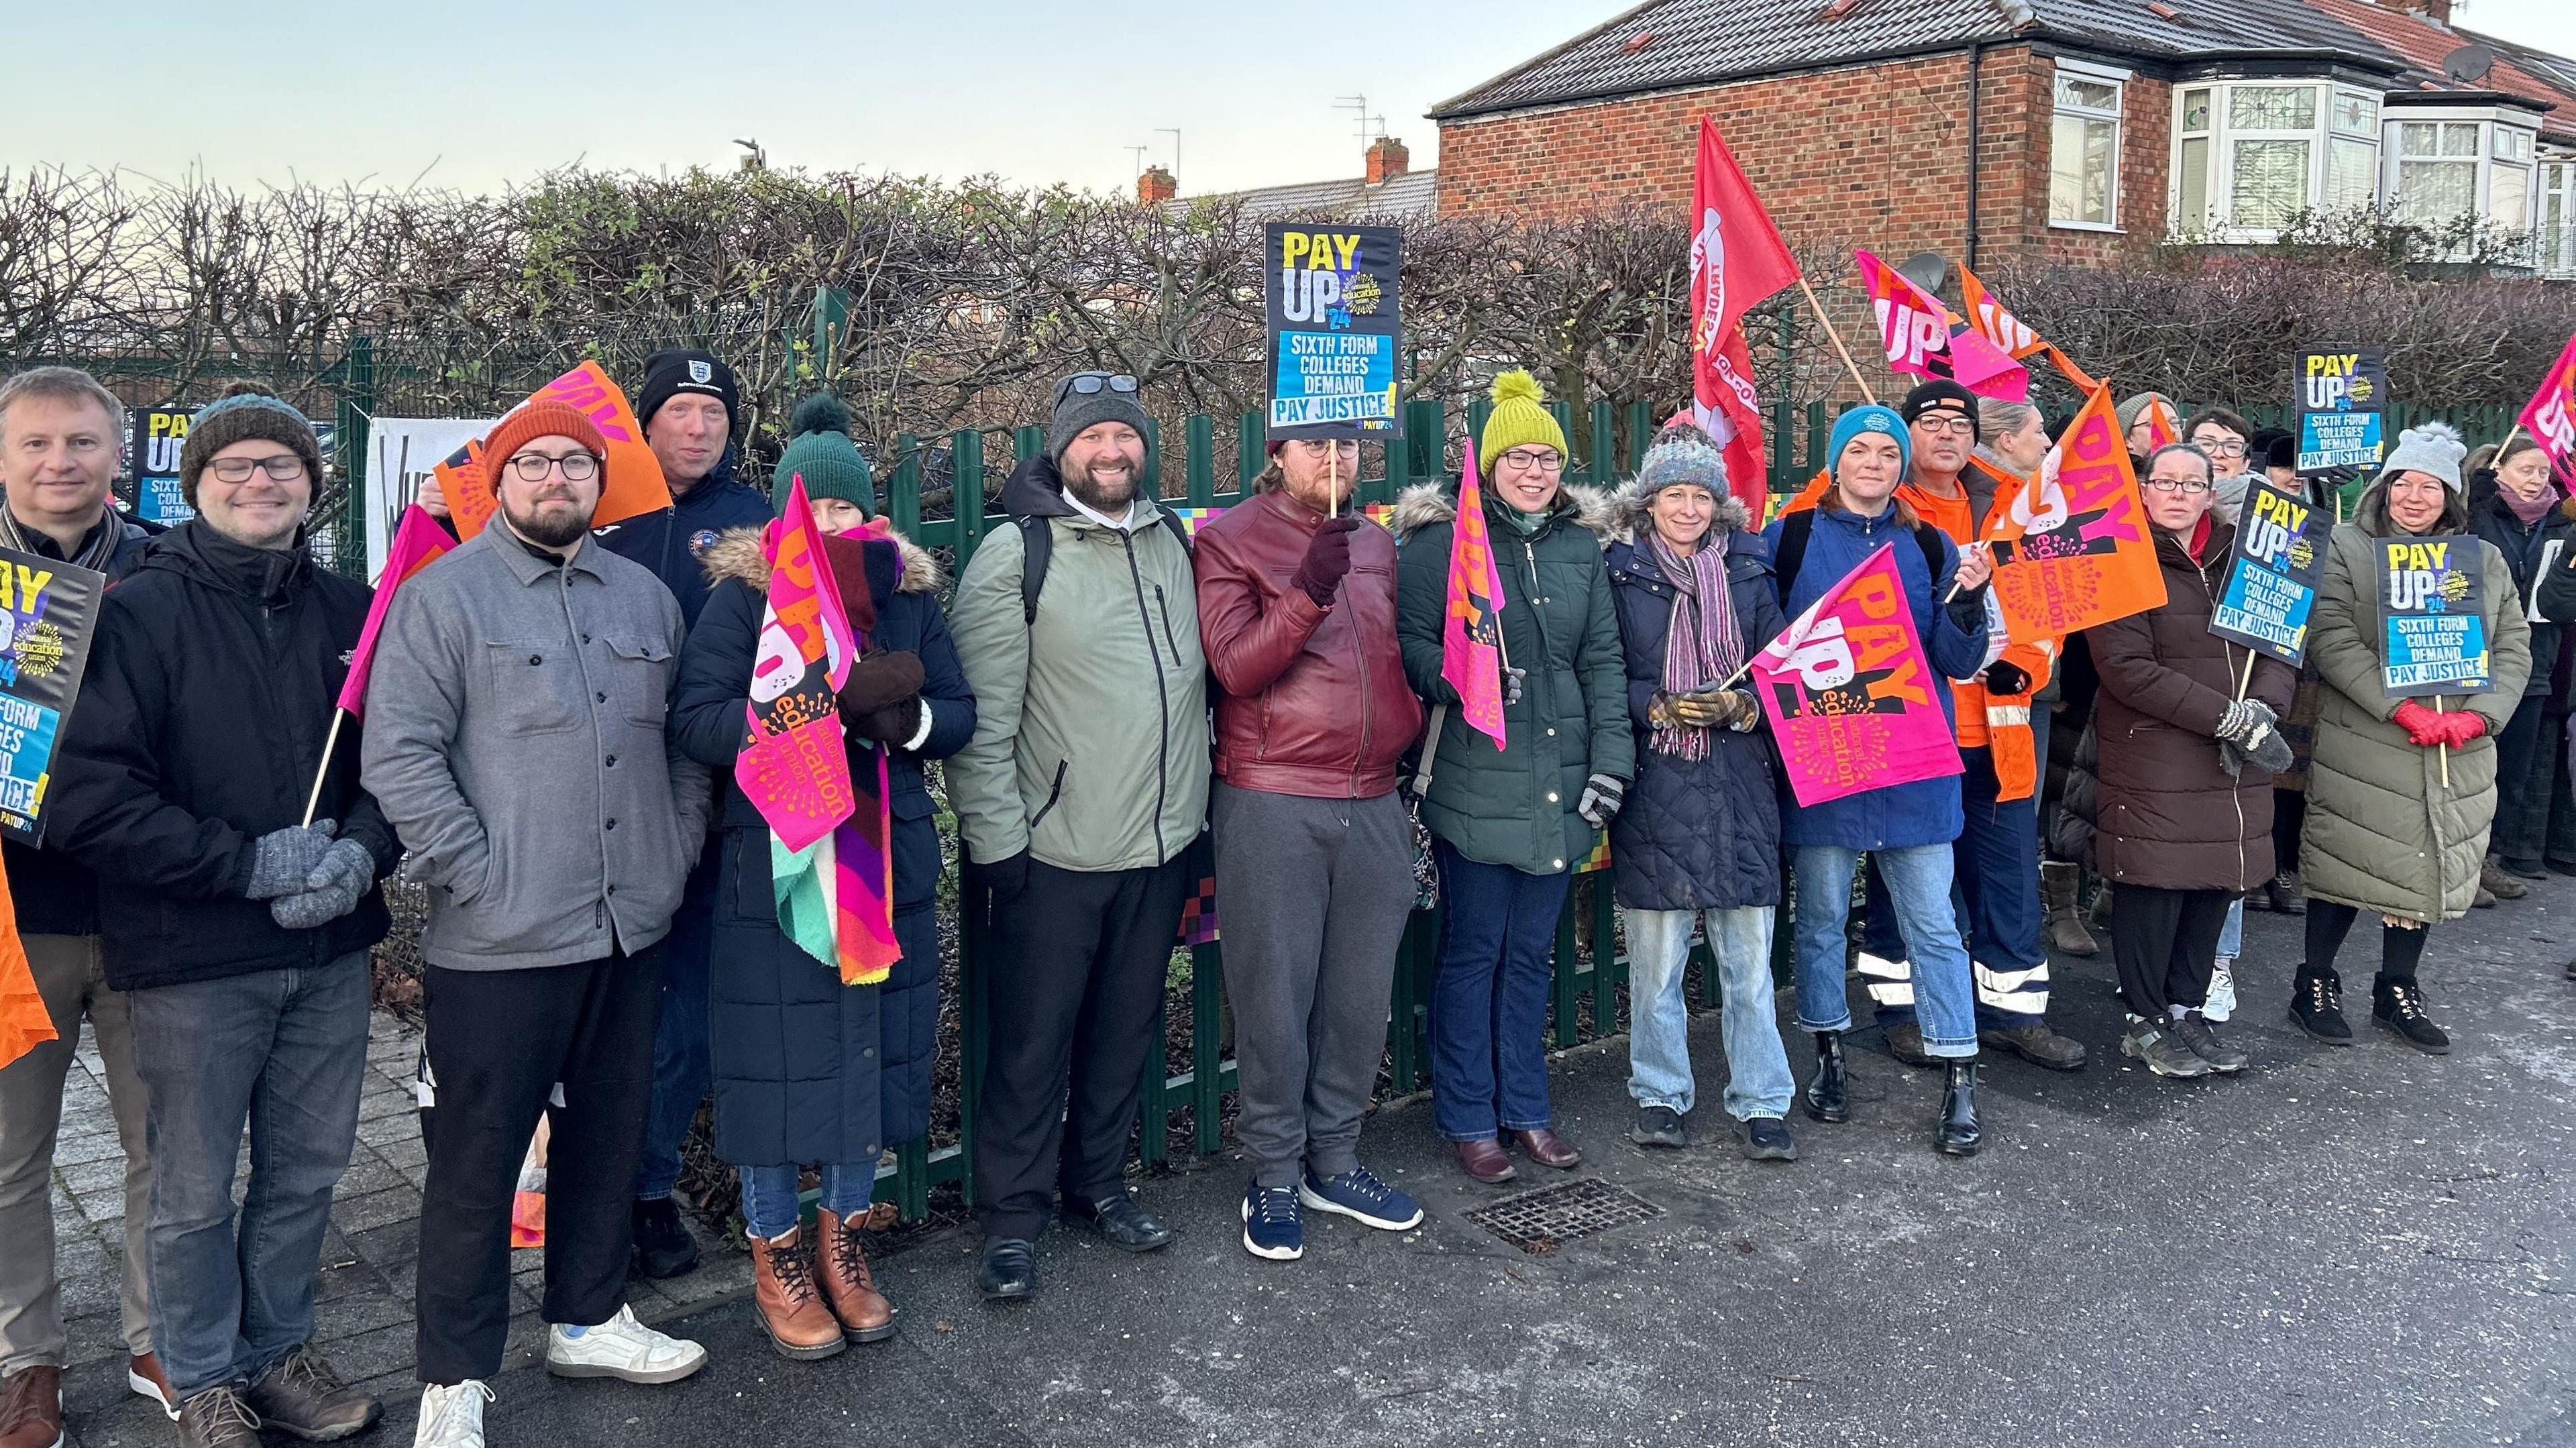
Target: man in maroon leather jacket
x=1313, y=849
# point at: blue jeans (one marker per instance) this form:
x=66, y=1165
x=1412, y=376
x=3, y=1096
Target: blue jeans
x=1758, y=1082
x=681, y=1075
x=1918, y=886
x=1489, y=998
x=285, y=1051
x=769, y=1205
x=1994, y=895
x=2231, y=936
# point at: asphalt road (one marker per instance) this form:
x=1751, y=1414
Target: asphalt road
x=2338, y=1248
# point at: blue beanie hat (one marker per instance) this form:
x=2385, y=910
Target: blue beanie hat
x=1870, y=417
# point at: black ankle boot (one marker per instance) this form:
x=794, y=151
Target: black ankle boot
x=1957, y=1135
x=1829, y=1095
x=2398, y=1007
x=2316, y=1006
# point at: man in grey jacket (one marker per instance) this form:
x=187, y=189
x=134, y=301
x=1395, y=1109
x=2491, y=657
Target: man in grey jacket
x=1085, y=782
x=515, y=736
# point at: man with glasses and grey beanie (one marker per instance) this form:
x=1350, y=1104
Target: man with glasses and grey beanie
x=1084, y=784
x=238, y=933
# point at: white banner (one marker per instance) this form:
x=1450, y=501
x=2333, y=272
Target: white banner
x=401, y=451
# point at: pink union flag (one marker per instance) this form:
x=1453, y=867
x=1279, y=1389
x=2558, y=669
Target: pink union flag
x=2550, y=416
x=1915, y=329
x=1471, y=639
x=1852, y=699
x=418, y=543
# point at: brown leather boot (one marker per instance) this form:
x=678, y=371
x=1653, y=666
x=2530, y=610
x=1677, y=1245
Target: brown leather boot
x=1548, y=1149
x=1484, y=1160
x=847, y=1283
x=791, y=1306
x=31, y=1408
x=2061, y=892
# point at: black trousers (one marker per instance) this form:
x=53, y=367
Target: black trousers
x=2400, y=949
x=2526, y=768
x=2289, y=812
x=2165, y=944
x=1073, y=988
x=500, y=1041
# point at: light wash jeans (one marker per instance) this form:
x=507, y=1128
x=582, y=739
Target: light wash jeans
x=1918, y=881
x=1758, y=1082
x=769, y=1196
x=2231, y=936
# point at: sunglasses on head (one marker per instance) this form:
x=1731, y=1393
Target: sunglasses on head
x=1088, y=383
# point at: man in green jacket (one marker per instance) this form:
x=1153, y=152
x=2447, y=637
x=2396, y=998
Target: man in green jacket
x=1085, y=782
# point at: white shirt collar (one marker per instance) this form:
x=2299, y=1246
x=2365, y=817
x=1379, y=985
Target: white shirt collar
x=1122, y=523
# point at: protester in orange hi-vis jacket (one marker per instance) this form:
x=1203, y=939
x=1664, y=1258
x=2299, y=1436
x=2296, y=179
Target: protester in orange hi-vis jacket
x=1997, y=864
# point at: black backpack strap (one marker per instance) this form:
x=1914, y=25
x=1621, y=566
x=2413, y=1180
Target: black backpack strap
x=1786, y=559
x=1037, y=540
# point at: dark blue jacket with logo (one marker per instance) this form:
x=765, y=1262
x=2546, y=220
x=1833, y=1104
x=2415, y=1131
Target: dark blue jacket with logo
x=671, y=541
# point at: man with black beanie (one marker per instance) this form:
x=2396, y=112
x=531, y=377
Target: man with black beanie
x=688, y=404
x=1997, y=854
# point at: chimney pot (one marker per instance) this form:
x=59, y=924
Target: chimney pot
x=1156, y=185
x=1387, y=159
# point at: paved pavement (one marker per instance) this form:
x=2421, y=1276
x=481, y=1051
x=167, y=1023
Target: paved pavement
x=2341, y=1247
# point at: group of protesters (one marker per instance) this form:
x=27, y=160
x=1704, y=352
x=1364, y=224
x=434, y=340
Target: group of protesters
x=552, y=706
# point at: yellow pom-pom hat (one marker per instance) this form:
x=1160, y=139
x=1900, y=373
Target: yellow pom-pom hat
x=1519, y=419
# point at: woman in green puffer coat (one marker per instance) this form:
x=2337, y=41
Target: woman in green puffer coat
x=1508, y=825
x=2385, y=833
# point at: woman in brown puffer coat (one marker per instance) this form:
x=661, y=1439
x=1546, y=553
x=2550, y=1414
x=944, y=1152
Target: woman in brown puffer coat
x=2183, y=823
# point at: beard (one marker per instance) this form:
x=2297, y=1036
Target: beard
x=557, y=528
x=1103, y=496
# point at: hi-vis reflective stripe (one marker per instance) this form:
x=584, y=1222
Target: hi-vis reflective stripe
x=1999, y=715
x=2022, y=991
x=1890, y=982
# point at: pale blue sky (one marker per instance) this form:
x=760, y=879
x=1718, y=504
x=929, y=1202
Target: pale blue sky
x=480, y=91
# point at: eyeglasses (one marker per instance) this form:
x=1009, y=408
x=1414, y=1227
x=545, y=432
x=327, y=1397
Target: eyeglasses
x=1088, y=383
x=2231, y=449
x=1546, y=460
x=2179, y=485
x=1318, y=446
x=578, y=467
x=283, y=468
x=1946, y=426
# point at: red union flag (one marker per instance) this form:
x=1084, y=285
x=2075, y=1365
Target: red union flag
x=1727, y=277
x=1915, y=330
x=2550, y=416
x=1852, y=700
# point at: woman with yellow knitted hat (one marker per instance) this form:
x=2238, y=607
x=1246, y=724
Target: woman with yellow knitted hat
x=1509, y=824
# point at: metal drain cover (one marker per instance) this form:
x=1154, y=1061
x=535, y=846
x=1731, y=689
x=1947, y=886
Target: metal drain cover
x=1539, y=1222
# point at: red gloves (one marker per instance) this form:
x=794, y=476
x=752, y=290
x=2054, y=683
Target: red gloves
x=2431, y=727
x=2422, y=725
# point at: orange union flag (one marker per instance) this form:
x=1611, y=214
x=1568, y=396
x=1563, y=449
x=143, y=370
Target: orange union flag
x=2073, y=549
x=635, y=482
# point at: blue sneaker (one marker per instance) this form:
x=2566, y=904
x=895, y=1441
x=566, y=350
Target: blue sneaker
x=1271, y=1226
x=1358, y=1193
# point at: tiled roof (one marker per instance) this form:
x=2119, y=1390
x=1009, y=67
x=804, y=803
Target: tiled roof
x=2424, y=43
x=1664, y=44
x=1415, y=193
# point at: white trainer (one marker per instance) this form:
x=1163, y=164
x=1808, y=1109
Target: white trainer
x=624, y=1349
x=451, y=1417
x=2222, y=991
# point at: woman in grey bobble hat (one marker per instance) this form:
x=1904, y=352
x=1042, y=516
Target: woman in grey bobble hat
x=2394, y=829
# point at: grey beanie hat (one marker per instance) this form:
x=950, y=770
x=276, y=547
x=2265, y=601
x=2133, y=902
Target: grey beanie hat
x=1683, y=454
x=2433, y=449
x=1077, y=411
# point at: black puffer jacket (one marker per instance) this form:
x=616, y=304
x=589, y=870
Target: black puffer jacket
x=2525, y=548
x=1694, y=834
x=210, y=691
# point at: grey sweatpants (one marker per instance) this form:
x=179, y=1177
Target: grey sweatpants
x=1312, y=896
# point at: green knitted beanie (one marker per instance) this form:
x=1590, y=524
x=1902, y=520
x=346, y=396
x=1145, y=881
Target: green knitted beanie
x=819, y=450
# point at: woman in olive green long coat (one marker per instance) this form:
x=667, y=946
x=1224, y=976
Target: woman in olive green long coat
x=1509, y=824
x=2384, y=833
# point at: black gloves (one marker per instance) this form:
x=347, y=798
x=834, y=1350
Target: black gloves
x=2004, y=678
x=1005, y=878
x=1328, y=558
x=880, y=680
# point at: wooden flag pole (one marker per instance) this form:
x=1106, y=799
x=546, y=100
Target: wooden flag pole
x=313, y=800
x=2445, y=747
x=1333, y=478
x=2245, y=679
x=1834, y=335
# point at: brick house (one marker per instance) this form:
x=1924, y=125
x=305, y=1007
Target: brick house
x=2035, y=130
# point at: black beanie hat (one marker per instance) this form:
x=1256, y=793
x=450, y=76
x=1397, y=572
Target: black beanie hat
x=1943, y=395
x=245, y=411
x=674, y=370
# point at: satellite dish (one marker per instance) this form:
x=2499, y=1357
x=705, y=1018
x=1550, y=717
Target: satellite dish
x=1926, y=269
x=2469, y=64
